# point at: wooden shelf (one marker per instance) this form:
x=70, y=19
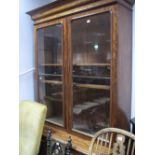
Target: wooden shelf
x=50, y=65
x=90, y=77
x=84, y=129
x=77, y=76
x=93, y=86
x=84, y=106
x=52, y=82
x=57, y=93
x=55, y=120
x=53, y=99
x=93, y=64
x=44, y=74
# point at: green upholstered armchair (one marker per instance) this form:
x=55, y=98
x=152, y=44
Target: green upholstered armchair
x=31, y=120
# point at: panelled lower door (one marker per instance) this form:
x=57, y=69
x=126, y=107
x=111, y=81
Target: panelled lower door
x=50, y=71
x=91, y=71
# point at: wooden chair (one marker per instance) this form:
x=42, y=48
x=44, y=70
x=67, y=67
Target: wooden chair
x=112, y=141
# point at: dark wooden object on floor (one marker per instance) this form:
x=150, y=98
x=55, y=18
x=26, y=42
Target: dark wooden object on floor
x=55, y=147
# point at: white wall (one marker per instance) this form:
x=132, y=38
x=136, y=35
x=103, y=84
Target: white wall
x=145, y=76
x=26, y=54
x=9, y=79
x=26, y=48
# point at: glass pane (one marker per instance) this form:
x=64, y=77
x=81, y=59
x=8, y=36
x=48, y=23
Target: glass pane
x=91, y=51
x=50, y=71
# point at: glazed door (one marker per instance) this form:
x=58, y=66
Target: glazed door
x=50, y=71
x=91, y=71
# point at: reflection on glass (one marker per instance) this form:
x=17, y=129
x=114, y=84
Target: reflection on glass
x=90, y=110
x=91, y=51
x=50, y=71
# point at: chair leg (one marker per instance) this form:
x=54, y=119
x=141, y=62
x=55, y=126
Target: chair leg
x=68, y=146
x=49, y=142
